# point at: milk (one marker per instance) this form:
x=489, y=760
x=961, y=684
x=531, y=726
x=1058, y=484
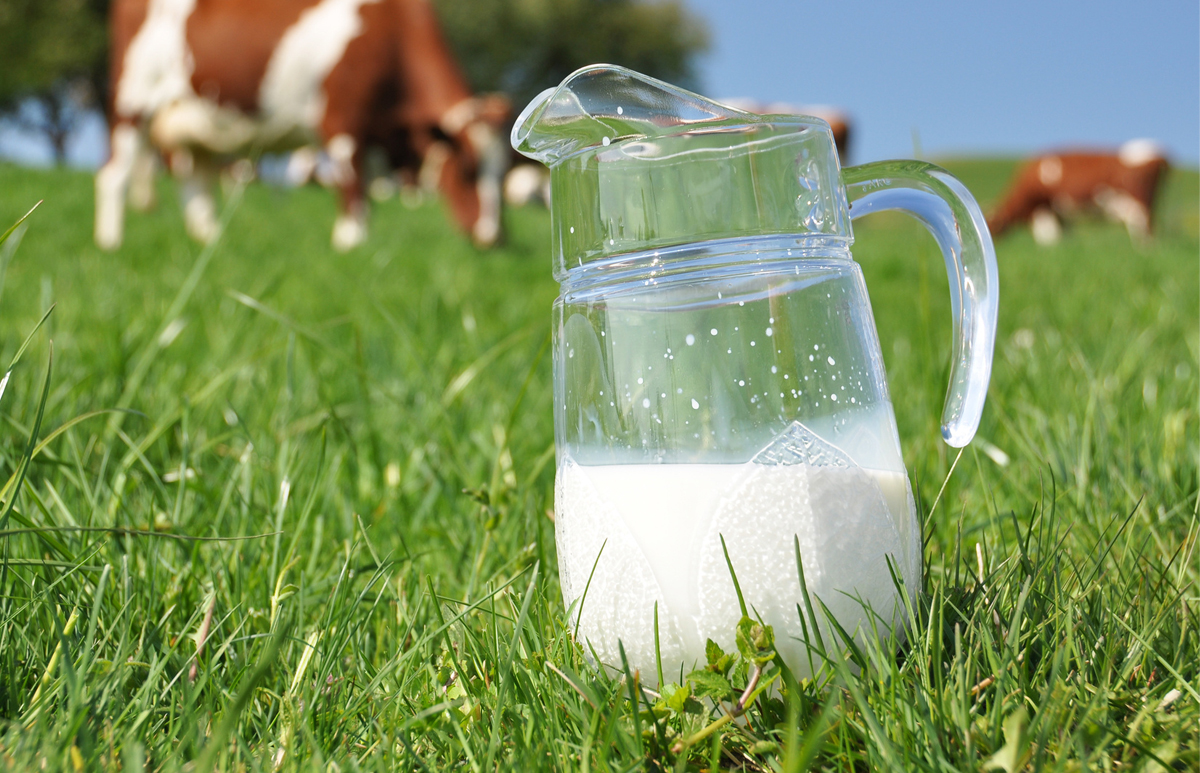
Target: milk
x=650, y=534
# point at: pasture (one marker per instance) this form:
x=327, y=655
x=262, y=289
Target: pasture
x=272, y=507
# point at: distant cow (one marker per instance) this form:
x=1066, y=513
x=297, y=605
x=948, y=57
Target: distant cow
x=1120, y=185
x=205, y=81
x=839, y=122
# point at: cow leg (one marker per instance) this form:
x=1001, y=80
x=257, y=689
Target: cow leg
x=301, y=166
x=197, y=177
x=429, y=178
x=524, y=184
x=1137, y=221
x=141, y=183
x=1125, y=209
x=350, y=228
x=112, y=185
x=493, y=163
x=1045, y=226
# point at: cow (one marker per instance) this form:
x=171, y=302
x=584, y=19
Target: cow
x=207, y=81
x=1120, y=185
x=839, y=122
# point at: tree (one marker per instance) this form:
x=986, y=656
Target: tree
x=523, y=46
x=52, y=63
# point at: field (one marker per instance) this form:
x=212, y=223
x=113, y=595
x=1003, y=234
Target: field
x=275, y=508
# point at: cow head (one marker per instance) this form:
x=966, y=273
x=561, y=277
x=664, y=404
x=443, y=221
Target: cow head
x=469, y=163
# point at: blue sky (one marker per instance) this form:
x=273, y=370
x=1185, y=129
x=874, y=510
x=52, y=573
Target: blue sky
x=969, y=78
x=965, y=78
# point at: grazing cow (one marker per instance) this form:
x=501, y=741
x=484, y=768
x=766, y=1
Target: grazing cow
x=839, y=122
x=206, y=81
x=1120, y=185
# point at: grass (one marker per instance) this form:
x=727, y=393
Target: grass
x=316, y=534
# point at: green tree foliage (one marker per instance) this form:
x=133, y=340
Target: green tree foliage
x=52, y=60
x=523, y=46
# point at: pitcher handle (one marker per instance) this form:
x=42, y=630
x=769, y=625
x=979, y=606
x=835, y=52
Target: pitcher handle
x=945, y=206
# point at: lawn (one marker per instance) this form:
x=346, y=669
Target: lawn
x=271, y=507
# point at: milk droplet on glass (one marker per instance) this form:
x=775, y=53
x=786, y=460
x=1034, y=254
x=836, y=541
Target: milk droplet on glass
x=695, y=405
x=691, y=339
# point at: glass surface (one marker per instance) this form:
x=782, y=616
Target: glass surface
x=718, y=381
x=709, y=361
x=732, y=389
x=636, y=163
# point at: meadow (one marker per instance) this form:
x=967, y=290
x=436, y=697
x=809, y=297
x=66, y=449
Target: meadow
x=269, y=507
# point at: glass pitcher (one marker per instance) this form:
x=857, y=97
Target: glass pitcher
x=721, y=407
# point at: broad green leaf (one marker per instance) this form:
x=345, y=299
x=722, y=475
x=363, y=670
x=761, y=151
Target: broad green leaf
x=1015, y=752
x=719, y=661
x=713, y=652
x=707, y=684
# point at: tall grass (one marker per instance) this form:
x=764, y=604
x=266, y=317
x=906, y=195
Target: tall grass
x=277, y=508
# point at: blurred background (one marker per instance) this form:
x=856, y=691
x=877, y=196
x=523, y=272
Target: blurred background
x=934, y=79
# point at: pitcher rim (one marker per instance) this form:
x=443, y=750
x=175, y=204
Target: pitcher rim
x=666, y=265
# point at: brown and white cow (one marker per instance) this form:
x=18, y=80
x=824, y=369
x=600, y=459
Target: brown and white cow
x=206, y=81
x=1121, y=185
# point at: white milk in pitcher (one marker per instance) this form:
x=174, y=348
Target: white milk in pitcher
x=633, y=536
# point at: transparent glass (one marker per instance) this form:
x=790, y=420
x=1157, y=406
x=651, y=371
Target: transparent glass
x=719, y=387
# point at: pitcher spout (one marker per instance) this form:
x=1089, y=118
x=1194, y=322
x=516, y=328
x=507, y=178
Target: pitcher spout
x=602, y=103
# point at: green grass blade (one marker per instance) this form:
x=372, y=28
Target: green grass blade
x=27, y=458
x=4, y=236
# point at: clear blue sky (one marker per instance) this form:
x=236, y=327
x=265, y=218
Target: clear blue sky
x=995, y=77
